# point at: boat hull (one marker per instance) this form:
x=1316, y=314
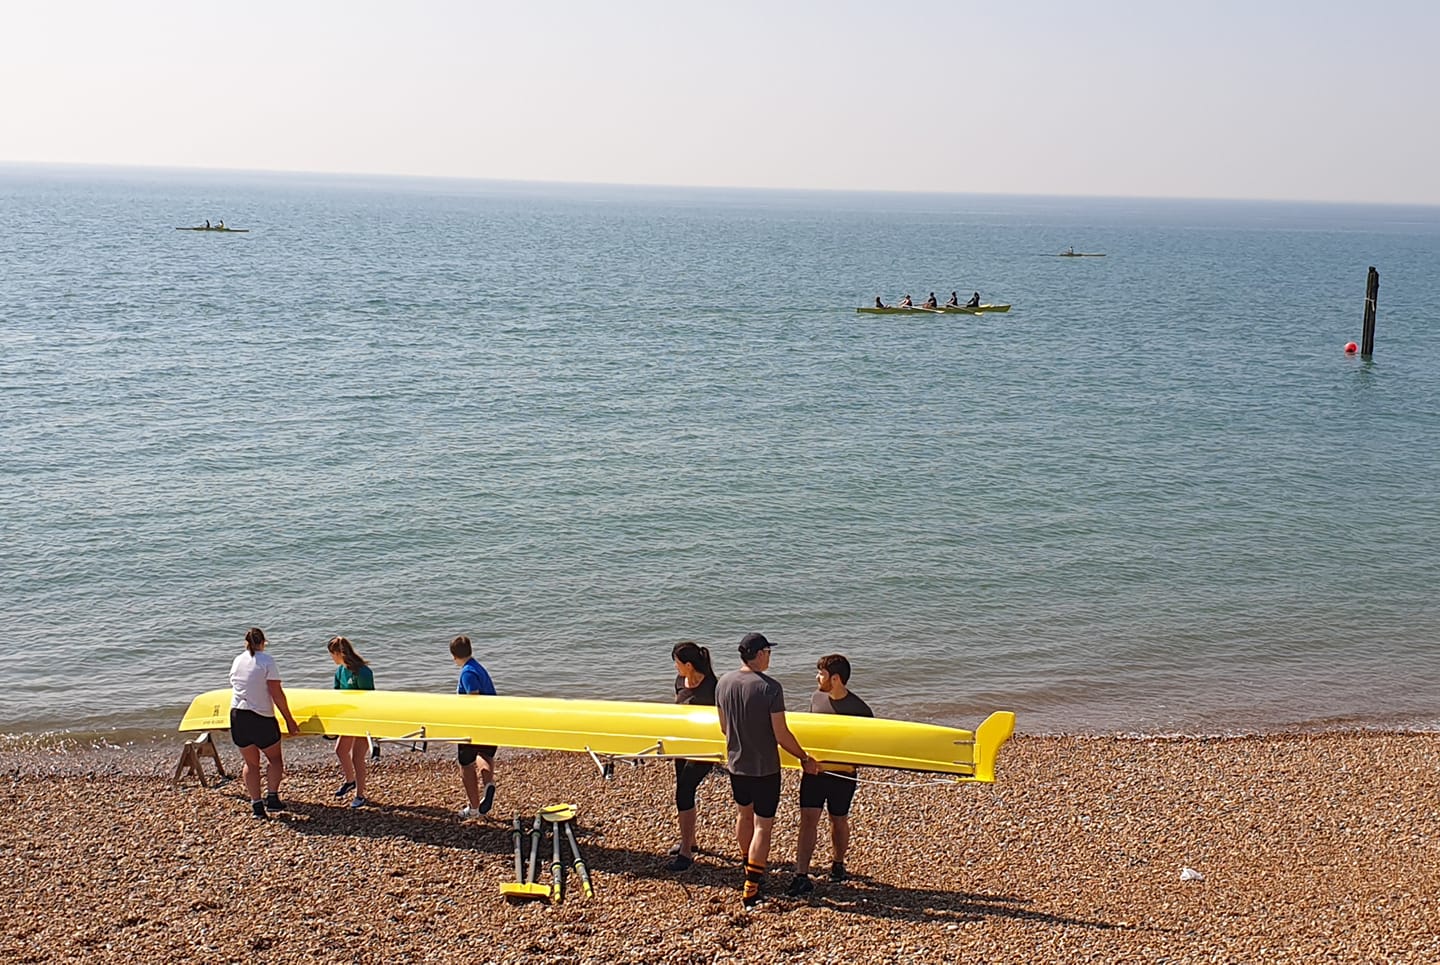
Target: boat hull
x=228, y=231
x=621, y=728
x=942, y=310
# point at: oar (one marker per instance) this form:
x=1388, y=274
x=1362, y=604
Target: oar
x=579, y=861
x=557, y=814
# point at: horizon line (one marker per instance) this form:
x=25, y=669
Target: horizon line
x=200, y=169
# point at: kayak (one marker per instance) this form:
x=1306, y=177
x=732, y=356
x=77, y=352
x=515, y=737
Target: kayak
x=621, y=728
x=942, y=310
x=237, y=231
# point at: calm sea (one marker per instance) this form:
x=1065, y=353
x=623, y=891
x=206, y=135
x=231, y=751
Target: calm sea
x=582, y=423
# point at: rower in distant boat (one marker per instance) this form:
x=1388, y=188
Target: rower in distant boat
x=930, y=302
x=1070, y=251
x=974, y=301
x=207, y=224
x=220, y=225
x=954, y=301
x=879, y=303
x=906, y=303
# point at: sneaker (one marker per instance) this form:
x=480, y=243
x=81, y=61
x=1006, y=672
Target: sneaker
x=800, y=886
x=753, y=902
x=488, y=799
x=679, y=862
x=273, y=802
x=837, y=871
x=345, y=789
x=359, y=802
x=257, y=808
x=466, y=813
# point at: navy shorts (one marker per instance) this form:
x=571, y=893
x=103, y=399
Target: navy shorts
x=468, y=752
x=761, y=793
x=829, y=791
x=249, y=729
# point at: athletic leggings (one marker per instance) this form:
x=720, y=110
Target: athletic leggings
x=688, y=775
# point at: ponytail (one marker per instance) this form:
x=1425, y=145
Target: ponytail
x=254, y=638
x=688, y=651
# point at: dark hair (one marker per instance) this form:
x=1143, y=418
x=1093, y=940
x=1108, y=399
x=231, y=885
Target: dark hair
x=460, y=647
x=254, y=637
x=835, y=665
x=751, y=644
x=347, y=653
x=688, y=651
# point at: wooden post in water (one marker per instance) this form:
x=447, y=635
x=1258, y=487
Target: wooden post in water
x=1372, y=295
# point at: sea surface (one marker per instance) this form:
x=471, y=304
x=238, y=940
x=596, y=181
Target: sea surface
x=582, y=423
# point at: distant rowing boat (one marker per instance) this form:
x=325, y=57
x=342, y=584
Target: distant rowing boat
x=236, y=231
x=1082, y=254
x=942, y=310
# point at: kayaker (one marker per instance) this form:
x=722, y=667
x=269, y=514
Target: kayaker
x=906, y=302
x=974, y=301
x=931, y=302
x=879, y=303
x=954, y=301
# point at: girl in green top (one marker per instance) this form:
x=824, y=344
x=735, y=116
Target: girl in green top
x=351, y=673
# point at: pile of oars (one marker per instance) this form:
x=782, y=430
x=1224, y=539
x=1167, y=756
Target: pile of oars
x=561, y=819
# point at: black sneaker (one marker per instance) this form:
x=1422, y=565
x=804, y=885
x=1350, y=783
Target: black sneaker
x=273, y=802
x=257, y=808
x=800, y=886
x=753, y=902
x=488, y=799
x=837, y=871
x=679, y=862
x=345, y=789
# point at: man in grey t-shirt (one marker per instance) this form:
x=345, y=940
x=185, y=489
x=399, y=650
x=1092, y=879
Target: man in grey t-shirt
x=751, y=707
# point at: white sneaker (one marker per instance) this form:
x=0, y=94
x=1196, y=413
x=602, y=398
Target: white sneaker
x=466, y=813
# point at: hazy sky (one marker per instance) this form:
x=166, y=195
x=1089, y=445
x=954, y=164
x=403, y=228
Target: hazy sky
x=1311, y=100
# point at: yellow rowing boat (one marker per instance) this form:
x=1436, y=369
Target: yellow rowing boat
x=621, y=729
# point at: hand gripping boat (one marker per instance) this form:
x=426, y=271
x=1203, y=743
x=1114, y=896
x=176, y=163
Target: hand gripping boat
x=630, y=730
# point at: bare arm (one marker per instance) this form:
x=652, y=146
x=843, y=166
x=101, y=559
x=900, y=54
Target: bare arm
x=787, y=740
x=724, y=728
x=277, y=694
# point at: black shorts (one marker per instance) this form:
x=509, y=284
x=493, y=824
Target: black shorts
x=830, y=791
x=249, y=729
x=761, y=793
x=468, y=752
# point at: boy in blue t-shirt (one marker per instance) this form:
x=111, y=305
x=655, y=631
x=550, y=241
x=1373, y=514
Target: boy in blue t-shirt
x=474, y=680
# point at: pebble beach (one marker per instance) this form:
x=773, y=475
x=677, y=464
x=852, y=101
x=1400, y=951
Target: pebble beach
x=1298, y=849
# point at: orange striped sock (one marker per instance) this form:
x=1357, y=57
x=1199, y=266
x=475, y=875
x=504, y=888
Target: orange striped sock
x=754, y=874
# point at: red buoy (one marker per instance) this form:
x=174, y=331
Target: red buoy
x=1351, y=348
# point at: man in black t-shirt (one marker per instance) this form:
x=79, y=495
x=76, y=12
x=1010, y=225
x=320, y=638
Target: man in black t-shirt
x=833, y=788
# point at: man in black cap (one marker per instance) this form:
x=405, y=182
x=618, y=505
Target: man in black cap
x=751, y=707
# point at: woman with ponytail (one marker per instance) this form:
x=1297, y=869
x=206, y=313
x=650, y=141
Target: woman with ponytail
x=256, y=695
x=694, y=684
x=351, y=673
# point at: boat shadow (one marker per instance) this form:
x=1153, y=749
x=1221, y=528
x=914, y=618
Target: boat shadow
x=492, y=839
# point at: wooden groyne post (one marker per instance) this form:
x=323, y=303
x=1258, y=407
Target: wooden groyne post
x=1367, y=332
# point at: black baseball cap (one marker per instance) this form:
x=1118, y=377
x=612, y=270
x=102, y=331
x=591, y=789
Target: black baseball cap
x=753, y=643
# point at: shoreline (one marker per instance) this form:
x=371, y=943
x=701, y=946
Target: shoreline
x=1310, y=846
x=137, y=752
